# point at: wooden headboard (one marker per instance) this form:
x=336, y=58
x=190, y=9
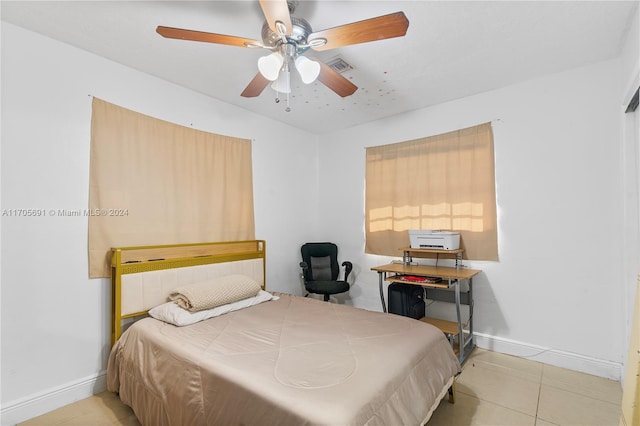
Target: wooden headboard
x=142, y=277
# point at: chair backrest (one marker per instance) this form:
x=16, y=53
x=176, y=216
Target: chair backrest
x=322, y=261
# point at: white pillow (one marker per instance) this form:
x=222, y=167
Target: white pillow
x=171, y=313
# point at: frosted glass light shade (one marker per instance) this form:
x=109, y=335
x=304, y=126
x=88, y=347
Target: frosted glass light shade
x=308, y=69
x=282, y=84
x=269, y=66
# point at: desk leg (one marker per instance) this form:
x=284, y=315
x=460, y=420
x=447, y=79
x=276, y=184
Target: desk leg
x=461, y=345
x=381, y=277
x=471, y=335
x=465, y=345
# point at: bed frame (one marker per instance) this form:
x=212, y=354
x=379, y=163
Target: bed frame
x=142, y=277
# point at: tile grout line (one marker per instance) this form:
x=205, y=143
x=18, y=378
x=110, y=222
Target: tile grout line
x=505, y=407
x=539, y=393
x=506, y=370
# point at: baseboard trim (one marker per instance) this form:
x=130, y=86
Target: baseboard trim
x=571, y=361
x=35, y=405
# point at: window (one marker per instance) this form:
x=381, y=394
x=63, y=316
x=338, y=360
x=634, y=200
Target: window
x=443, y=182
x=154, y=183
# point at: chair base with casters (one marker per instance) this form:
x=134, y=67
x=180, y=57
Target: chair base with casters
x=320, y=269
x=327, y=288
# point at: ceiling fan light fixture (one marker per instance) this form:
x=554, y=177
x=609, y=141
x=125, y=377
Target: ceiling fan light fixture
x=269, y=66
x=308, y=69
x=283, y=83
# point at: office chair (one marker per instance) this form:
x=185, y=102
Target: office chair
x=320, y=269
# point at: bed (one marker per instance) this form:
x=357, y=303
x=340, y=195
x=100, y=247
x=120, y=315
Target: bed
x=282, y=360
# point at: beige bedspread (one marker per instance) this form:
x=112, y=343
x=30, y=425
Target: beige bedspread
x=290, y=361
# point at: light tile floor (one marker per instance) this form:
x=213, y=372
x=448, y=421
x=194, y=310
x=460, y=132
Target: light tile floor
x=493, y=389
x=498, y=389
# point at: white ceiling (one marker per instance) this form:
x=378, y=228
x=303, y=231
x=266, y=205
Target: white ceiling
x=452, y=49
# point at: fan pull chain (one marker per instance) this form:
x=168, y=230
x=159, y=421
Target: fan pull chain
x=288, y=108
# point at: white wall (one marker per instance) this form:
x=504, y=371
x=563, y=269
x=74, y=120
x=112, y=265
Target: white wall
x=630, y=79
x=55, y=332
x=556, y=293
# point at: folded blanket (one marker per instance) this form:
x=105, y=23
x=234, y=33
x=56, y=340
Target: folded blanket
x=214, y=292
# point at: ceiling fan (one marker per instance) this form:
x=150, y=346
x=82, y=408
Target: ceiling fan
x=289, y=37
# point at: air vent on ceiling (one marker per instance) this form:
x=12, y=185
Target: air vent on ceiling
x=339, y=65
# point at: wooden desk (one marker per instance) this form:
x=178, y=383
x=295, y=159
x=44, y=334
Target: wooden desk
x=451, y=278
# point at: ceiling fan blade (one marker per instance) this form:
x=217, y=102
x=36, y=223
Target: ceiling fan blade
x=255, y=87
x=277, y=10
x=192, y=35
x=334, y=81
x=380, y=28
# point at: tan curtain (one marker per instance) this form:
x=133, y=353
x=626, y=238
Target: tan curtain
x=443, y=182
x=154, y=182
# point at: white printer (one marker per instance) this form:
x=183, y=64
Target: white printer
x=432, y=239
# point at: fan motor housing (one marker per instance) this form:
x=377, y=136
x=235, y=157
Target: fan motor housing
x=299, y=34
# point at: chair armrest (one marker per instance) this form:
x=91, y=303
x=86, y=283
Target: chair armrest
x=304, y=266
x=348, y=266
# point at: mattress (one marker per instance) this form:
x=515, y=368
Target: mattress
x=289, y=361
